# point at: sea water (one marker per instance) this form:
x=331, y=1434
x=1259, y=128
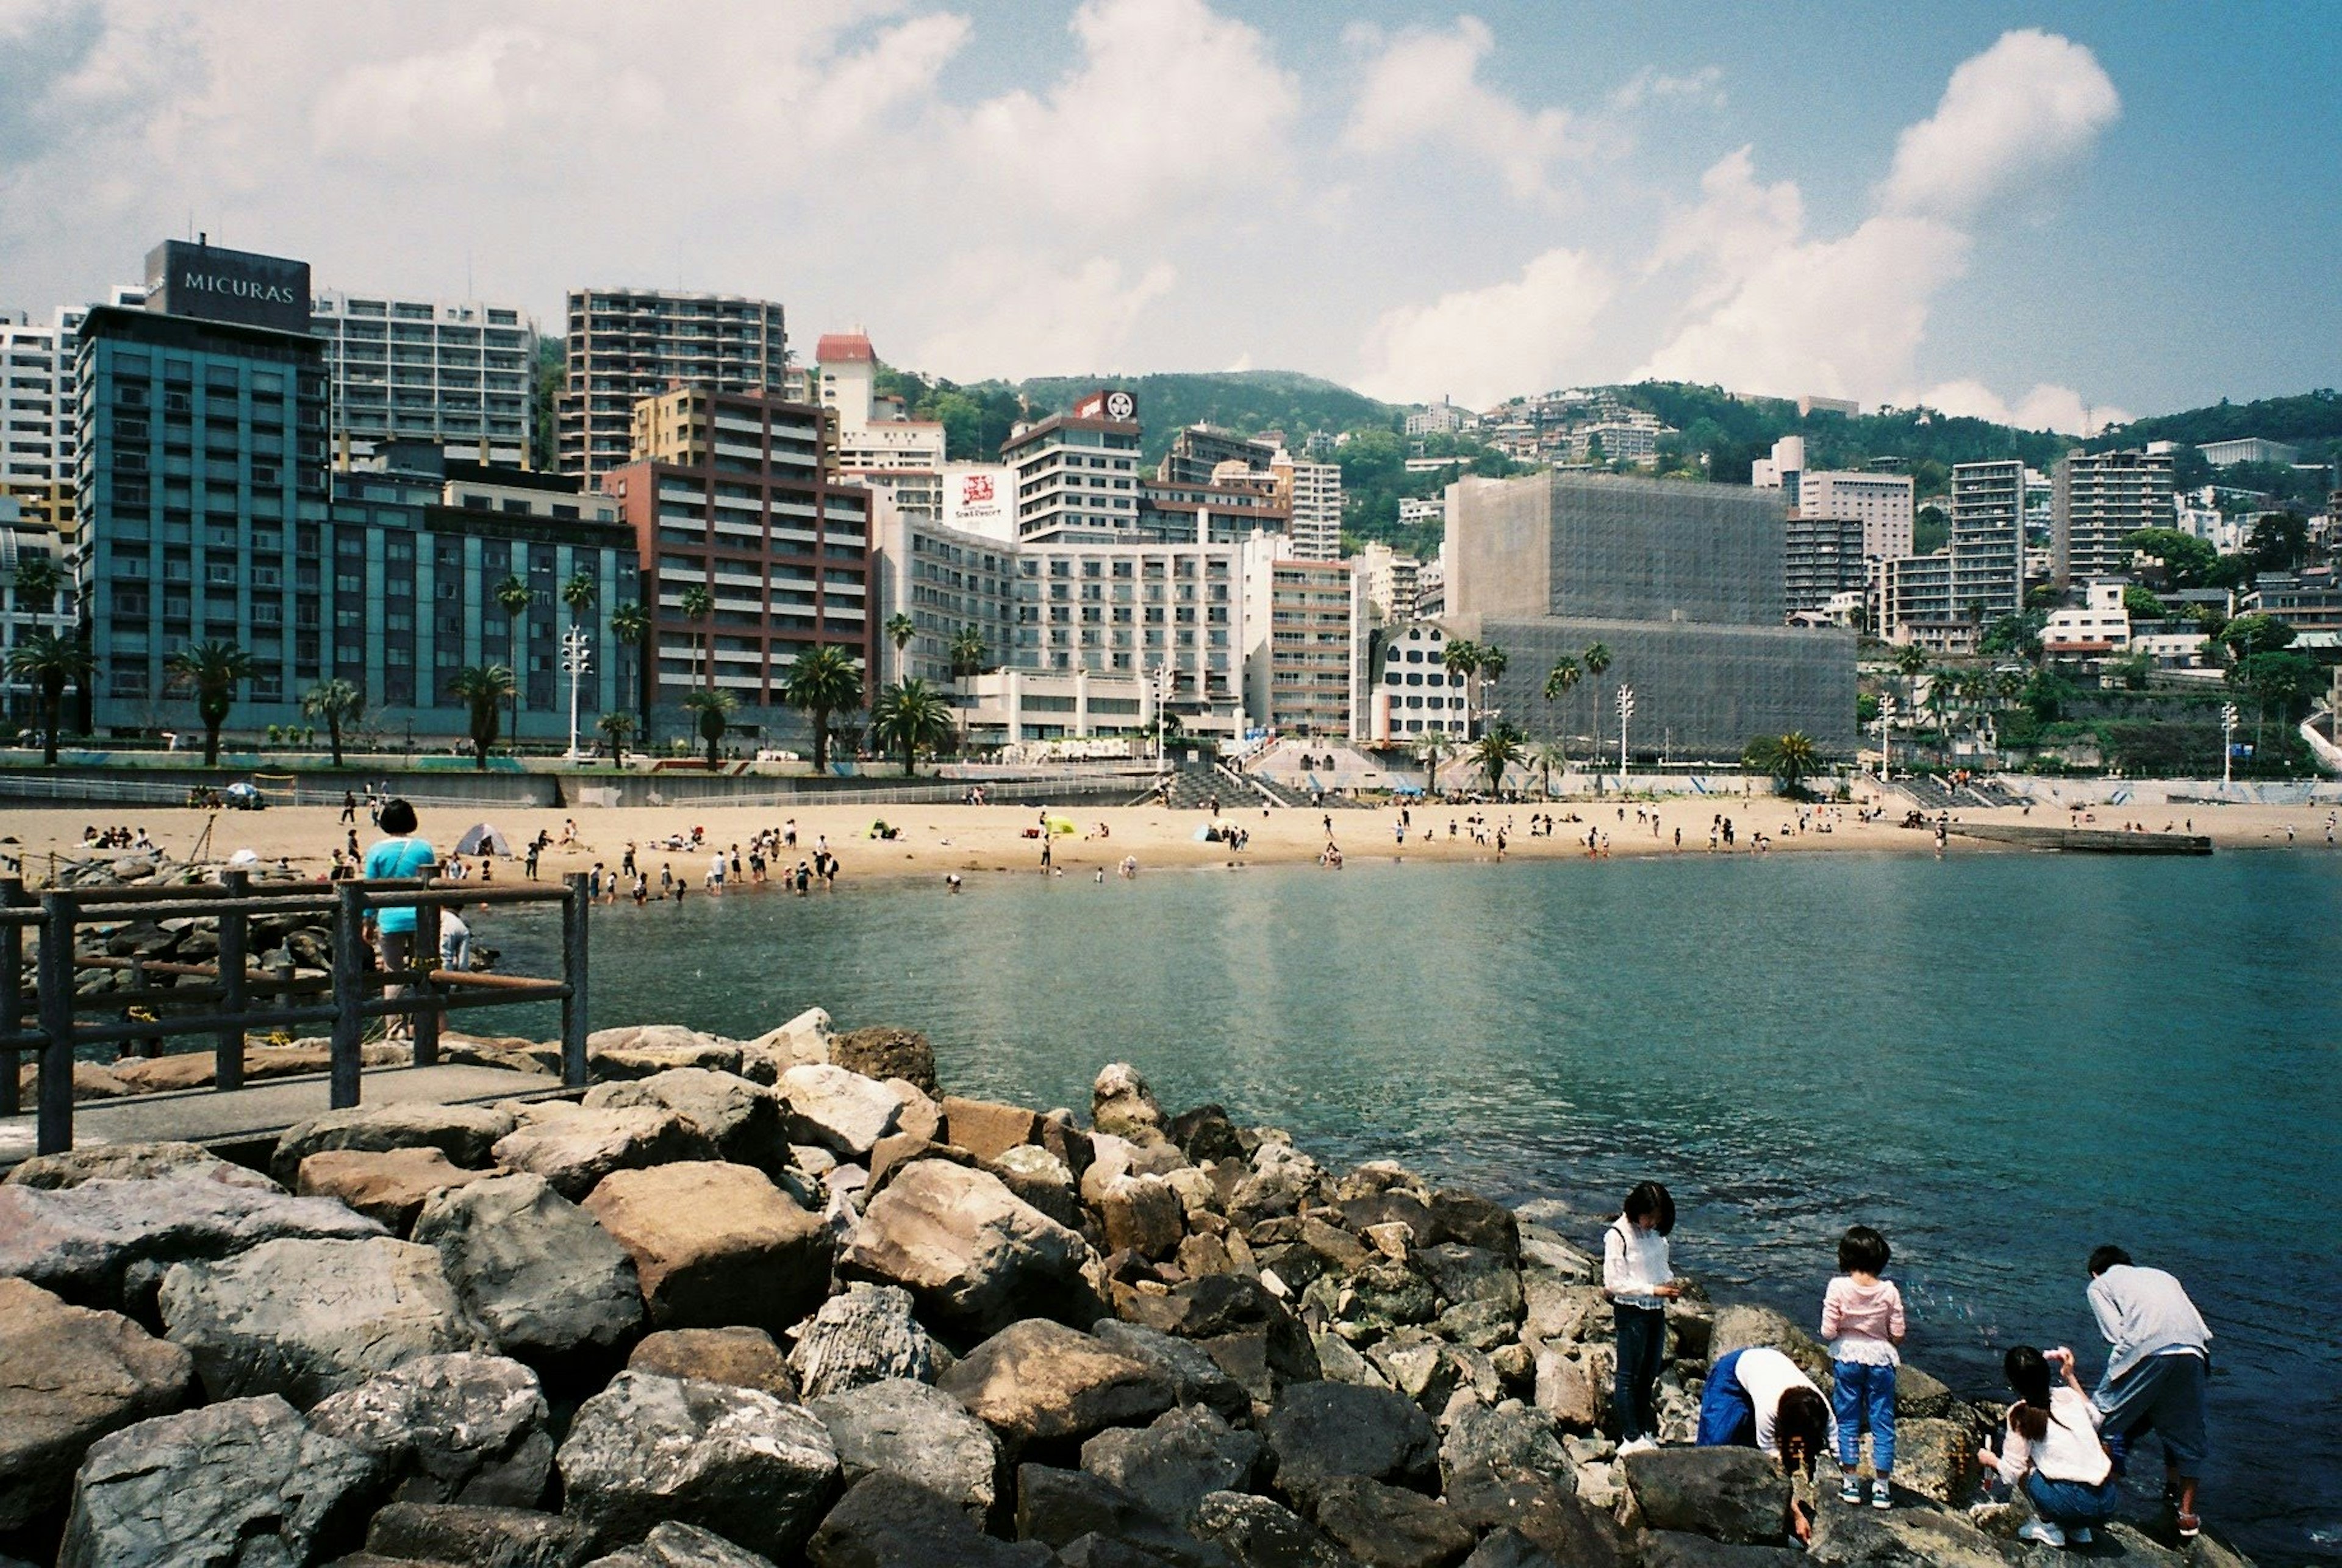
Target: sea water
x=1999, y=1060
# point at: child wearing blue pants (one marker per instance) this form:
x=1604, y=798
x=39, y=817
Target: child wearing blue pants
x=1862, y=1319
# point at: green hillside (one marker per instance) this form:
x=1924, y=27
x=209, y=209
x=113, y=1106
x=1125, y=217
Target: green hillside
x=1245, y=401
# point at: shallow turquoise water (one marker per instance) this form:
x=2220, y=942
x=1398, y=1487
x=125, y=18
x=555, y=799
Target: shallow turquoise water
x=1999, y=1060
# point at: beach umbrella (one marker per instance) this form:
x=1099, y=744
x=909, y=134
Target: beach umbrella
x=1063, y=824
x=483, y=839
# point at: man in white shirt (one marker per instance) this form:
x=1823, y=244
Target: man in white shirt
x=2160, y=1357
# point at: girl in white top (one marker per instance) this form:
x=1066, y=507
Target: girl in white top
x=2052, y=1448
x=1640, y=1281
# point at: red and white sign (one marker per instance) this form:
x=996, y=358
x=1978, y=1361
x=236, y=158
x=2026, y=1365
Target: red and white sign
x=979, y=498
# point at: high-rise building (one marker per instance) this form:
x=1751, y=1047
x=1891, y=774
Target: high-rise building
x=731, y=491
x=1078, y=472
x=23, y=539
x=1197, y=453
x=37, y=412
x=1915, y=603
x=1987, y=539
x=1882, y=502
x=879, y=446
x=1297, y=621
x=1312, y=491
x=1389, y=580
x=626, y=344
x=1230, y=509
x=452, y=373
x=1822, y=558
x=2097, y=500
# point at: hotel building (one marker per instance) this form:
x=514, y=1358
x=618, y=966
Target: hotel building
x=626, y=344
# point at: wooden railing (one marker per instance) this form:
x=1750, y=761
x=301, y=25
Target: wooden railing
x=240, y=998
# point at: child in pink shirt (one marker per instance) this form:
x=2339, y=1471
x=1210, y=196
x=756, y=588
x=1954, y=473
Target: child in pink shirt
x=1862, y=1319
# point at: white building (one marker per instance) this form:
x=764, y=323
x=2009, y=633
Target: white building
x=2250, y=449
x=877, y=445
x=1313, y=491
x=1883, y=503
x=38, y=409
x=2099, y=626
x=1078, y=472
x=1297, y=614
x=980, y=498
x=456, y=374
x=1410, y=692
x=20, y=541
x=1440, y=418
x=1389, y=580
x=1633, y=436
x=2099, y=499
x=1420, y=509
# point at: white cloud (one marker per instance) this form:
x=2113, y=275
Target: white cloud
x=1008, y=319
x=1650, y=85
x=2018, y=110
x=2045, y=407
x=1480, y=345
x=1425, y=87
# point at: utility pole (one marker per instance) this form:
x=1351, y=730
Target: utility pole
x=1626, y=712
x=576, y=658
x=2227, y=744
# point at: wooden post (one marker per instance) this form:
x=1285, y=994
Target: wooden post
x=12, y=993
x=349, y=993
x=228, y=1068
x=423, y=1021
x=55, y=1133
x=573, y=973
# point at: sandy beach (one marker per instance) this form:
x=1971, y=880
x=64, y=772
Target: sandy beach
x=991, y=839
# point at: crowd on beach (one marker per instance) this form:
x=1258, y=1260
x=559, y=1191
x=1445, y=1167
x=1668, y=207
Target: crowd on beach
x=2065, y=1446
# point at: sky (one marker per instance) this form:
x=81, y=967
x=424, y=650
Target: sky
x=2055, y=214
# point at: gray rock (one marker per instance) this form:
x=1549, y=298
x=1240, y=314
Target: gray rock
x=68, y=1377
x=476, y=1536
x=132, y=1163
x=1174, y=1463
x=974, y=1256
x=742, y=1357
x=838, y=1110
x=745, y=1121
x=917, y=1432
x=1912, y=1538
x=1322, y=1430
x=307, y=1319
x=1260, y=1534
x=754, y=1469
x=576, y=1150
x=1461, y=1273
x=1681, y=1549
x=1740, y=1327
x=243, y=1481
x=673, y=1545
x=1383, y=1296
x=1038, y=1381
x=1541, y=1506
x=1731, y=1493
x=863, y=1335
x=1507, y=1548
x=462, y=1428
x=465, y=1133
x=1121, y=1104
x=1042, y=1180
x=533, y=1267
x=1195, y=1377
x=1389, y=1526
x=88, y=1241
x=1559, y=1310
x=886, y=1522
x=1507, y=1438
x=1062, y=1506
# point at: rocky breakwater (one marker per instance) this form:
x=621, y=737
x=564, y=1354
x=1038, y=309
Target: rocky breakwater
x=705, y=1321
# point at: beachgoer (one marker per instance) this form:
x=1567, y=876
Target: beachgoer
x=1757, y=1398
x=2052, y=1448
x=951, y=881
x=1863, y=1323
x=349, y=806
x=401, y=857
x=454, y=942
x=1639, y=1281
x=2161, y=1355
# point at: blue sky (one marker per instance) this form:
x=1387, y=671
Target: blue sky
x=2033, y=211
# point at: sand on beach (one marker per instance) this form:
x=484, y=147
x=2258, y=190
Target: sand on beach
x=940, y=839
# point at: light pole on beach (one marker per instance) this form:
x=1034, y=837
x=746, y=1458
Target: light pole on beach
x=576, y=658
x=1626, y=712
x=2227, y=744
x=1885, y=742
x=1162, y=678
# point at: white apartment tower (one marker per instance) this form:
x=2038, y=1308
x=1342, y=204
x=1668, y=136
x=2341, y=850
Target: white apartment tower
x=454, y=373
x=37, y=408
x=877, y=445
x=1077, y=473
x=1987, y=545
x=1314, y=489
x=2099, y=499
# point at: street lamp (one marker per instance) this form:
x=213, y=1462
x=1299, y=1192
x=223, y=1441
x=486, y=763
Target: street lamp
x=1886, y=739
x=1626, y=712
x=2227, y=744
x=1162, y=681
x=577, y=659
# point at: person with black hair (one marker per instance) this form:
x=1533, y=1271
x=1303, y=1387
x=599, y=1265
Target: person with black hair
x=2161, y=1355
x=2053, y=1449
x=1863, y=1324
x=401, y=857
x=1758, y=1398
x=1639, y=1281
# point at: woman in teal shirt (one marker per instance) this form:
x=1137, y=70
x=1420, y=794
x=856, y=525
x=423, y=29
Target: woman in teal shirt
x=399, y=857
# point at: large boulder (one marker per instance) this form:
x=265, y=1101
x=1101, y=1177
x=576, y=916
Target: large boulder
x=1121, y=1104
x=1093, y=1523
x=863, y=1335
x=1047, y=1182
x=974, y=1256
x=460, y=1428
x=753, y=1469
x=917, y=1432
x=1936, y=1458
x=475, y=1534
x=68, y=1377
x=1741, y=1327
x=886, y=1521
x=575, y=1151
x=1173, y=1464
x=465, y=1133
x=1260, y=1534
x=840, y=1111
x=804, y=1038
x=1142, y=1214
x=716, y=1244
x=743, y=1120
x=131, y=1163
x=1390, y=1527
x=1681, y=1549
x=1041, y=1381
x=1508, y=1437
x=106, y=1242
x=1730, y=1493
x=389, y=1186
x=1543, y=1507
x=1322, y=1430
x=243, y=1481
x=1919, y=1538
x=646, y=1050
x=742, y=1357
x=532, y=1267
x=673, y=1545
x=1197, y=1381
x=1565, y=1392
x=883, y=1053
x=987, y=1128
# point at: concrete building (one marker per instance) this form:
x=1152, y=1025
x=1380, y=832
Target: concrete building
x=1431, y=586
x=879, y=446
x=1410, y=693
x=731, y=491
x=1298, y=654
x=626, y=345
x=950, y=581
x=37, y=410
x=1682, y=582
x=1312, y=493
x=1882, y=502
x=1809, y=405
x=1987, y=539
x=22, y=539
x=2097, y=500
x=1440, y=418
x=2250, y=449
x=1226, y=512
x=1198, y=451
x=1822, y=558
x=1631, y=436
x=454, y=373
x=1390, y=580
x=1077, y=472
x=1416, y=510
x=1916, y=604
x=2099, y=626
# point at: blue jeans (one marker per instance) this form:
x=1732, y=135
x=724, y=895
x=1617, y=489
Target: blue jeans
x=2067, y=1504
x=1727, y=1415
x=1642, y=1354
x=1864, y=1393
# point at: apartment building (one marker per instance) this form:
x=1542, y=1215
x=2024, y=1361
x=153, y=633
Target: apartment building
x=1222, y=513
x=1298, y=615
x=1915, y=603
x=1312, y=493
x=2097, y=500
x=1987, y=539
x=1440, y=418
x=37, y=414
x=454, y=373
x=1884, y=503
x=879, y=445
x=626, y=345
x=1410, y=692
x=1389, y=580
x=1198, y=452
x=1078, y=472
x=1822, y=558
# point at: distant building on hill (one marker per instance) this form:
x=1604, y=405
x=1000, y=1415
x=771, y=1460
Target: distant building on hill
x=2097, y=500
x=2249, y=449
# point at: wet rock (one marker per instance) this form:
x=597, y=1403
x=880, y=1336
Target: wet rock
x=68, y=1377
x=1122, y=1104
x=1734, y=1494
x=482, y=1536
x=748, y=1467
x=307, y=1319
x=1142, y=1214
x=1196, y=1380
x=882, y=1052
x=388, y=1187
x=1043, y=1180
x=465, y=1133
x=1389, y=1526
x=886, y=1522
x=577, y=1150
x=1171, y=1465
x=971, y=1252
x=1040, y=1382
x=1205, y=1134
x=132, y=1163
x=716, y=1244
x=863, y=1335
x=1509, y=1437
x=837, y=1109
x=742, y=1357
x=916, y=1431
x=243, y=1481
x=532, y=1267
x=450, y=1429
x=673, y=1545
x=1740, y=1327
x=743, y=1122
x=1322, y=1430
x=1260, y=1534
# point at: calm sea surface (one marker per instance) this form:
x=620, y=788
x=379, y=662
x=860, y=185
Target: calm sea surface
x=1999, y=1060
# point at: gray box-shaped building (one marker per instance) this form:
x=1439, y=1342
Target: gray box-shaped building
x=1681, y=582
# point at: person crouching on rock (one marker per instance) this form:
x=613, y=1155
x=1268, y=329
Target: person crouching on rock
x=2053, y=1449
x=1638, y=1279
x=1757, y=1398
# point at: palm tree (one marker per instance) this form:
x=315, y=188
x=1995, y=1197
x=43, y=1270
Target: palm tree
x=823, y=679
x=618, y=726
x=1909, y=660
x=338, y=703
x=1549, y=755
x=48, y=660
x=1597, y=659
x=1461, y=655
x=910, y=717
x=39, y=580
x=1496, y=751
x=630, y=624
x=211, y=669
x=480, y=688
x=1792, y=758
x=714, y=707
x=1941, y=698
x=1559, y=682
x=967, y=654
x=900, y=630
x=698, y=603
x=515, y=596
x=577, y=592
x=1432, y=748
